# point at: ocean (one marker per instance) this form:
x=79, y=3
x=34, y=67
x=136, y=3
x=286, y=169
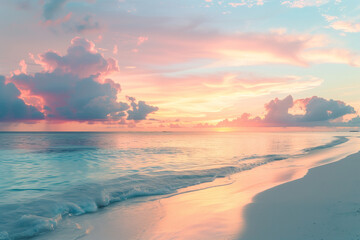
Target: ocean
x=47, y=177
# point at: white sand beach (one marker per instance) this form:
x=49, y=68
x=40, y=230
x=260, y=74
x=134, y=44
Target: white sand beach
x=325, y=204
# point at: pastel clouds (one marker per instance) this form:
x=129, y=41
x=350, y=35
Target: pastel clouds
x=226, y=49
x=12, y=107
x=316, y=112
x=69, y=97
x=248, y=3
x=23, y=67
x=218, y=50
x=343, y=25
x=82, y=59
x=305, y=3
x=141, y=40
x=333, y=55
x=346, y=26
x=75, y=86
x=139, y=110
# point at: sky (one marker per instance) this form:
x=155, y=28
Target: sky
x=140, y=65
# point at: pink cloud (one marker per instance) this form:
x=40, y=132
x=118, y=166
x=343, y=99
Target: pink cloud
x=23, y=67
x=115, y=50
x=216, y=50
x=74, y=86
x=248, y=3
x=81, y=59
x=255, y=48
x=244, y=120
x=346, y=26
x=332, y=55
x=305, y=3
x=141, y=40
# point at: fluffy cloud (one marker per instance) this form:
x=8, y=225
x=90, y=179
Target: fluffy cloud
x=68, y=96
x=319, y=109
x=82, y=59
x=316, y=112
x=139, y=110
x=248, y=3
x=12, y=108
x=278, y=111
x=305, y=3
x=75, y=87
x=346, y=26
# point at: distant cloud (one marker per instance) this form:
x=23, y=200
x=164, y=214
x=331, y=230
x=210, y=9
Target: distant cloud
x=305, y=3
x=85, y=24
x=354, y=121
x=115, y=50
x=140, y=110
x=319, y=109
x=69, y=22
x=12, y=108
x=141, y=40
x=52, y=7
x=316, y=111
x=245, y=120
x=346, y=26
x=343, y=25
x=247, y=3
x=329, y=18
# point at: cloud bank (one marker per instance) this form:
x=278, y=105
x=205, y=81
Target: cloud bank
x=75, y=86
x=315, y=111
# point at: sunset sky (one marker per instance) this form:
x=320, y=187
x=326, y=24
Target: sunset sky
x=178, y=65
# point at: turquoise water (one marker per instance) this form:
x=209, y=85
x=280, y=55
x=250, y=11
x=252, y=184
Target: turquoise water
x=47, y=176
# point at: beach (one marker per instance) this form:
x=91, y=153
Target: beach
x=308, y=197
x=325, y=204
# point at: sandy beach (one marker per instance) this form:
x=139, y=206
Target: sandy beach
x=325, y=204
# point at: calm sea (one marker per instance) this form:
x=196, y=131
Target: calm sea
x=45, y=177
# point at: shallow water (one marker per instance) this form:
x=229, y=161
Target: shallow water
x=47, y=176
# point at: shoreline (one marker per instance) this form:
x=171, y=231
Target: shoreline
x=324, y=204
x=205, y=213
